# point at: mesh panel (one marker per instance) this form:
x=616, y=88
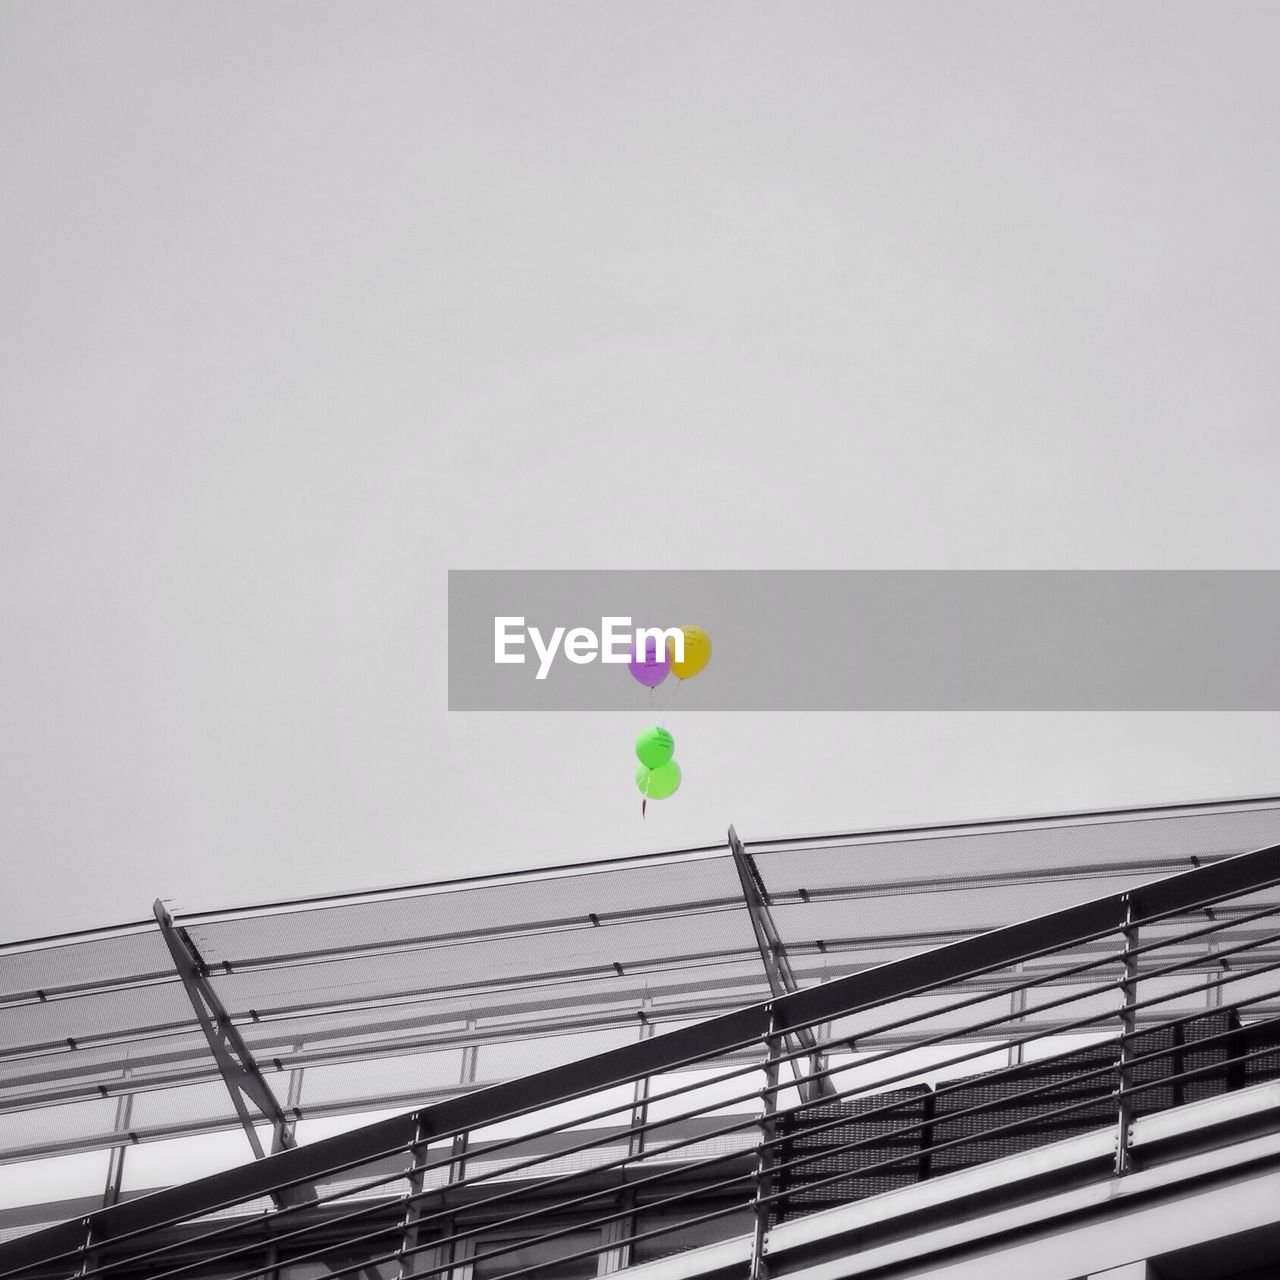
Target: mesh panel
x=507, y=1059
x=78, y=1124
x=882, y=1150
x=117, y=1012
x=474, y=965
x=94, y=962
x=923, y=915
x=866, y=1145
x=1146, y=844
x=408, y=1073
x=572, y=1004
x=486, y=909
x=1259, y=1047
x=168, y=1058
x=167, y=1110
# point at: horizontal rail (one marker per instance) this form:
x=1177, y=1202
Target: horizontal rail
x=683, y=1047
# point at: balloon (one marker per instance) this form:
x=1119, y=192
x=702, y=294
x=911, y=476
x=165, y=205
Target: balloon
x=658, y=784
x=651, y=670
x=697, y=653
x=654, y=747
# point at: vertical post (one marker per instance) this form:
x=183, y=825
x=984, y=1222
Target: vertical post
x=115, y=1176
x=450, y=1251
x=1214, y=981
x=470, y=1069
x=764, y=1152
x=1128, y=1023
x=1017, y=1010
x=293, y=1100
x=614, y=1248
x=115, y=1164
x=88, y=1253
x=616, y=1255
x=464, y=1268
x=271, y=1259
x=412, y=1206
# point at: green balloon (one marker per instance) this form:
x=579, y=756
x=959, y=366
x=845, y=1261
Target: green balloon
x=654, y=747
x=658, y=784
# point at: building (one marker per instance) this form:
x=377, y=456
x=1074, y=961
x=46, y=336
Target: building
x=1046, y=1046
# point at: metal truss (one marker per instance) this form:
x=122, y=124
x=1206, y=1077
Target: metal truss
x=240, y=1073
x=777, y=967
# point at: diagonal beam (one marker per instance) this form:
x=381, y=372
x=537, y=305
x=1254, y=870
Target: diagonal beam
x=240, y=1073
x=777, y=966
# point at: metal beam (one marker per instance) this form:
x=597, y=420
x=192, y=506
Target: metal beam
x=240, y=1073
x=777, y=967
x=115, y=1161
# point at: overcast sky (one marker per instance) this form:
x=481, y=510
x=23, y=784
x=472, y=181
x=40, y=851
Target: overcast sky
x=305, y=303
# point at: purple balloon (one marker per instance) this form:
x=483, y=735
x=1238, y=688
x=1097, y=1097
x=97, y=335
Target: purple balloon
x=650, y=670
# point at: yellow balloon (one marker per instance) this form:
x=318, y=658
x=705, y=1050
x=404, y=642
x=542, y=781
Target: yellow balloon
x=697, y=653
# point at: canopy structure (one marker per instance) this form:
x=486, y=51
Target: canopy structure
x=344, y=1005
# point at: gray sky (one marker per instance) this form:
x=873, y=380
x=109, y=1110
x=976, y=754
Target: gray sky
x=306, y=303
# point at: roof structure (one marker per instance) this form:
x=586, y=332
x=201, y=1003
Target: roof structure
x=395, y=998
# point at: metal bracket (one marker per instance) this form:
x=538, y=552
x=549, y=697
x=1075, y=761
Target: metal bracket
x=777, y=967
x=241, y=1074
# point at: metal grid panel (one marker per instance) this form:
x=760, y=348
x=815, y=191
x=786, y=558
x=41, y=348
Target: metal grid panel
x=522, y=959
x=926, y=916
x=406, y=1073
x=483, y=910
x=505, y=1059
x=1145, y=844
x=81, y=1125
x=537, y=1010
x=117, y=1012
x=540, y=1007
x=173, y=1110
x=94, y=962
x=883, y=1133
x=141, y=1062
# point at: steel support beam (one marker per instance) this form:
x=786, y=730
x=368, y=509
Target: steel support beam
x=115, y=1162
x=240, y=1073
x=777, y=967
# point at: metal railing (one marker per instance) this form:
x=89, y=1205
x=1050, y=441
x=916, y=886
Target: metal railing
x=1069, y=1023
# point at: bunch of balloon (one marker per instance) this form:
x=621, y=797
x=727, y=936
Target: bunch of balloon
x=658, y=775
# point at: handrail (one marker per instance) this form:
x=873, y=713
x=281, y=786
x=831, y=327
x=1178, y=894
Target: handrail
x=996, y=949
